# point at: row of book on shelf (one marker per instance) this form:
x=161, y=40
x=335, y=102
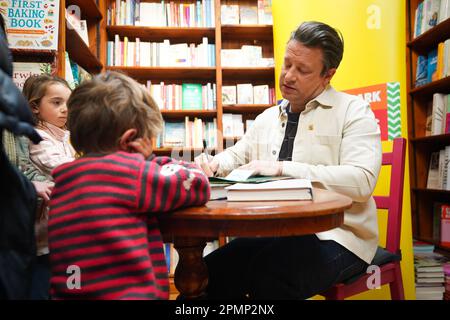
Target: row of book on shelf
x=246, y=56
x=432, y=272
x=433, y=66
x=188, y=134
x=187, y=96
x=195, y=96
x=246, y=93
x=438, y=170
x=201, y=13
x=233, y=125
x=438, y=115
x=159, y=54
x=429, y=13
x=246, y=14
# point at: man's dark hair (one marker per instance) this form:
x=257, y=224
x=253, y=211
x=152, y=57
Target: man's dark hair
x=2, y=24
x=315, y=34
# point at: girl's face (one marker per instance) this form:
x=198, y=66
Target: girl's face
x=52, y=107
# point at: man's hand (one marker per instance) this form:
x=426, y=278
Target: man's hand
x=142, y=146
x=264, y=168
x=207, y=163
x=43, y=189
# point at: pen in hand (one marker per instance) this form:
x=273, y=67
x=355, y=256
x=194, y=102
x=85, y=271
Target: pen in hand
x=207, y=162
x=205, y=151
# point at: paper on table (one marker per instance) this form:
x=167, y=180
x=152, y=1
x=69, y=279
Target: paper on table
x=239, y=175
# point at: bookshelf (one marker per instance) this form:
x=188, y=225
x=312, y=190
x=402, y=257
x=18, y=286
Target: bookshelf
x=421, y=146
x=86, y=56
x=222, y=36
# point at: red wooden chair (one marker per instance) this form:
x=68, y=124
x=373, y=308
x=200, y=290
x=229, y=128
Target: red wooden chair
x=388, y=259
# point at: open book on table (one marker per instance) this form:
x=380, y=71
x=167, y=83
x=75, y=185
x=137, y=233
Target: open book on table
x=218, y=184
x=244, y=176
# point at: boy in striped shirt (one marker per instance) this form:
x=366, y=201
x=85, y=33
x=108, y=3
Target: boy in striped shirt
x=102, y=220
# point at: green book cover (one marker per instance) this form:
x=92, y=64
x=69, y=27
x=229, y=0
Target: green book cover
x=192, y=96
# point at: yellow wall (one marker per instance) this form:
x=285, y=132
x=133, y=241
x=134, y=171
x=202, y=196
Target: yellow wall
x=374, y=53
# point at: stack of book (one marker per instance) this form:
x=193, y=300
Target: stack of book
x=447, y=281
x=429, y=275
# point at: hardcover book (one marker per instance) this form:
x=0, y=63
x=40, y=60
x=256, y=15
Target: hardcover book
x=192, y=96
x=289, y=189
x=228, y=95
x=229, y=14
x=244, y=93
x=23, y=70
x=248, y=15
x=31, y=24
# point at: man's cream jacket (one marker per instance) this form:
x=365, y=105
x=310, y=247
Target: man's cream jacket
x=337, y=147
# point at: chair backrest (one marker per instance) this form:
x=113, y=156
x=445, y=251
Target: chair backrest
x=393, y=202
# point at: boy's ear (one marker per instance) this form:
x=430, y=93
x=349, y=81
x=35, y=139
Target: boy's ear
x=126, y=138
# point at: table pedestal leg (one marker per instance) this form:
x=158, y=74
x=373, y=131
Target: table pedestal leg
x=191, y=273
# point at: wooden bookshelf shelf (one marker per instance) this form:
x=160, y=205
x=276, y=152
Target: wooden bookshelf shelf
x=235, y=139
x=169, y=73
x=436, y=244
x=440, y=138
x=181, y=114
x=247, y=32
x=441, y=85
x=426, y=41
x=80, y=52
x=158, y=34
x=89, y=8
x=245, y=108
x=238, y=73
x=436, y=191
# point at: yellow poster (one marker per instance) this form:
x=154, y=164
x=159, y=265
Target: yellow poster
x=374, y=60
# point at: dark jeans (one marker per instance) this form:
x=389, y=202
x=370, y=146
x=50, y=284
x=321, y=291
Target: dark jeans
x=40, y=280
x=279, y=268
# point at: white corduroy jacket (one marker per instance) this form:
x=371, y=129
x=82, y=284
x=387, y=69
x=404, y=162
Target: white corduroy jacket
x=337, y=147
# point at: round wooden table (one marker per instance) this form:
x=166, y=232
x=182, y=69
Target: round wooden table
x=190, y=228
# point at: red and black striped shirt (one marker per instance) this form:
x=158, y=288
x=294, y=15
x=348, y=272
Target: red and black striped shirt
x=101, y=221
